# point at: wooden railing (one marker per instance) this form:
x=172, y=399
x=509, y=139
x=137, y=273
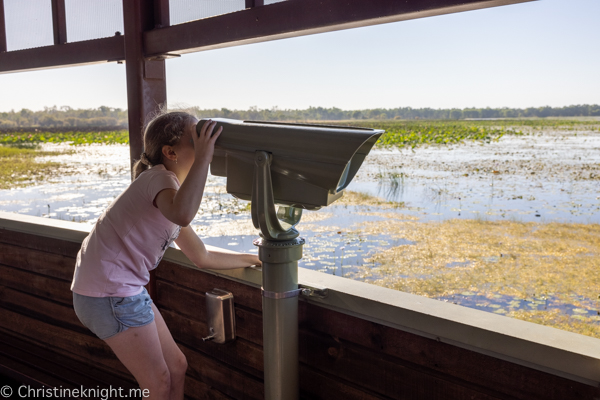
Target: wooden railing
x=361, y=342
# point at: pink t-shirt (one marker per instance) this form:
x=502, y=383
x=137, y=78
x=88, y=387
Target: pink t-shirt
x=128, y=241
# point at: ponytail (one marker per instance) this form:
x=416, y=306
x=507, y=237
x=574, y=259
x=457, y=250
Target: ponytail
x=141, y=165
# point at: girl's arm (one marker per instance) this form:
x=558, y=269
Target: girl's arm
x=194, y=249
x=180, y=206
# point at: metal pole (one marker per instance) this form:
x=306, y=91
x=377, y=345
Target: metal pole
x=280, y=316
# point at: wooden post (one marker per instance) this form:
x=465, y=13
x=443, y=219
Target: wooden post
x=59, y=21
x=162, y=17
x=146, y=81
x=2, y=28
x=254, y=3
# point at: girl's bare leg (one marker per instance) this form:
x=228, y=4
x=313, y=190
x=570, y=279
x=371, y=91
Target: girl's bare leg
x=139, y=349
x=152, y=356
x=175, y=359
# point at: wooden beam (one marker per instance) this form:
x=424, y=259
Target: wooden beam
x=59, y=21
x=296, y=18
x=2, y=28
x=76, y=53
x=257, y=24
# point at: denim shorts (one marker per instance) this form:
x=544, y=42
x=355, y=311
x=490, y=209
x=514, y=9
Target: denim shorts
x=107, y=316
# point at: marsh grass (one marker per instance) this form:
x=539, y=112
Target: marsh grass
x=527, y=261
x=18, y=151
x=351, y=198
x=18, y=166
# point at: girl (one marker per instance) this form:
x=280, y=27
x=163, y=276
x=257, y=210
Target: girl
x=130, y=239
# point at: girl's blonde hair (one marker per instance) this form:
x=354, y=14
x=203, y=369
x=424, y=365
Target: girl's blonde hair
x=164, y=129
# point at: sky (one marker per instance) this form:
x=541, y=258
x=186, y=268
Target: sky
x=533, y=54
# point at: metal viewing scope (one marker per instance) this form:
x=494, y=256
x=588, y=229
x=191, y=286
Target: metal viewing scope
x=310, y=165
x=298, y=167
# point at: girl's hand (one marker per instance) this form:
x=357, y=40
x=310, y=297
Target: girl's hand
x=204, y=142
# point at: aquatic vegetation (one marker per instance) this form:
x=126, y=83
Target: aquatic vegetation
x=18, y=151
x=411, y=133
x=417, y=133
x=18, y=166
x=365, y=199
x=528, y=262
x=73, y=138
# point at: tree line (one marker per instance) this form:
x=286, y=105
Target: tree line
x=67, y=117
x=64, y=117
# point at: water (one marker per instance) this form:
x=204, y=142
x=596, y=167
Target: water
x=541, y=178
x=502, y=304
x=549, y=177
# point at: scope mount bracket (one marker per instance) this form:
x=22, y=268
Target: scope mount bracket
x=273, y=225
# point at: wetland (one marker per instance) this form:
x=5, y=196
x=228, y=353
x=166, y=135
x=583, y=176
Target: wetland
x=502, y=216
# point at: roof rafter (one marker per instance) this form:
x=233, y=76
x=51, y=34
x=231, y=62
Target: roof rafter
x=257, y=24
x=297, y=18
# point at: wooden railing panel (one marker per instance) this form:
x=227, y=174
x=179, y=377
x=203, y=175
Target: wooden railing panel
x=385, y=375
x=63, y=368
x=39, y=262
x=81, y=347
x=239, y=354
x=192, y=304
x=39, y=285
x=41, y=309
x=195, y=389
x=228, y=380
x=315, y=385
x=47, y=245
x=200, y=282
x=473, y=369
x=342, y=356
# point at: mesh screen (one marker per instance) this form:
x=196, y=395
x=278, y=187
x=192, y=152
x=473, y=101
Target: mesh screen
x=93, y=19
x=28, y=24
x=188, y=10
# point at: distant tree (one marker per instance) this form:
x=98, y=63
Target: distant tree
x=456, y=114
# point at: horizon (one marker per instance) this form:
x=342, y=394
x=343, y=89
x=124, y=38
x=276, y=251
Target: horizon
x=54, y=107
x=527, y=55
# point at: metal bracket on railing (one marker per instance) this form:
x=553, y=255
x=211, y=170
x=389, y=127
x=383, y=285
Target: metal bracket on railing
x=311, y=291
x=280, y=295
